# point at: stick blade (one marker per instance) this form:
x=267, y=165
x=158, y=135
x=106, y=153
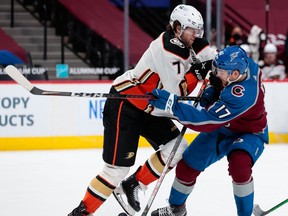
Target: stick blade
x=16, y=75
x=257, y=211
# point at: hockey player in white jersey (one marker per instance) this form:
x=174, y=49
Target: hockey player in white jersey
x=174, y=62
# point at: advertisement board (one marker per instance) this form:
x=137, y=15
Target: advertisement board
x=68, y=122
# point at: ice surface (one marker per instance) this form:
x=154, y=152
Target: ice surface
x=52, y=183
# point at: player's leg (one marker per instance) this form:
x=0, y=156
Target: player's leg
x=162, y=134
x=159, y=132
x=242, y=155
x=154, y=165
x=100, y=188
x=199, y=155
x=120, y=146
x=147, y=173
x=182, y=186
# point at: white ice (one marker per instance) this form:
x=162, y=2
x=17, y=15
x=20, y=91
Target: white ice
x=52, y=183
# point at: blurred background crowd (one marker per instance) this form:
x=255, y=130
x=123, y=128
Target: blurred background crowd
x=88, y=36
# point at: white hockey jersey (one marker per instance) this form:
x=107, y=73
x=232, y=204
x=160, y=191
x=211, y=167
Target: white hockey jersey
x=164, y=65
x=274, y=71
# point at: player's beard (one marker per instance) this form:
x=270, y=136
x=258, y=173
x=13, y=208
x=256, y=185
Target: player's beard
x=188, y=44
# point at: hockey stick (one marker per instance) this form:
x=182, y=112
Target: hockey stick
x=16, y=75
x=164, y=172
x=172, y=154
x=257, y=211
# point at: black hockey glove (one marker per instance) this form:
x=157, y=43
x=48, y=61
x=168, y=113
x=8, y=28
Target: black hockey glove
x=201, y=69
x=215, y=81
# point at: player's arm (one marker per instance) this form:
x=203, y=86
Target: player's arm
x=200, y=120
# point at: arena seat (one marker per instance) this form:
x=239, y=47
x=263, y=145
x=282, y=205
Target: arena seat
x=7, y=43
x=107, y=21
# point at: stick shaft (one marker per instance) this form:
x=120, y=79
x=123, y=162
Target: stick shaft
x=276, y=207
x=257, y=211
x=164, y=172
x=38, y=91
x=15, y=74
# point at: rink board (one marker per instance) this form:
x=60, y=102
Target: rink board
x=46, y=143
x=30, y=122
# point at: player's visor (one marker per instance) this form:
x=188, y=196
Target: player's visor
x=197, y=32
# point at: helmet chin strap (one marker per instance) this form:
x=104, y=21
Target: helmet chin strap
x=179, y=38
x=229, y=81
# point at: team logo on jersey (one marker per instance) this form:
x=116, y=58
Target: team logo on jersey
x=238, y=140
x=129, y=155
x=237, y=90
x=177, y=42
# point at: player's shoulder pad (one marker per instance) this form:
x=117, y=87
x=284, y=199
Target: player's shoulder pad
x=175, y=46
x=199, y=44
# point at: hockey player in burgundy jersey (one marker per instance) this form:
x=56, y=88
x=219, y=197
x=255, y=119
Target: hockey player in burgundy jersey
x=233, y=124
x=166, y=64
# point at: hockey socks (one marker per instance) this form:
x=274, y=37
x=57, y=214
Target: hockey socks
x=244, y=196
x=151, y=170
x=240, y=169
x=179, y=193
x=97, y=193
x=183, y=183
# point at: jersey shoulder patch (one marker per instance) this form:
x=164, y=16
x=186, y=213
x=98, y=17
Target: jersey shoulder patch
x=199, y=44
x=238, y=90
x=174, y=46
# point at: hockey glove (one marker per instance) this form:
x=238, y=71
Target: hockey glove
x=200, y=70
x=163, y=100
x=215, y=81
x=209, y=96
